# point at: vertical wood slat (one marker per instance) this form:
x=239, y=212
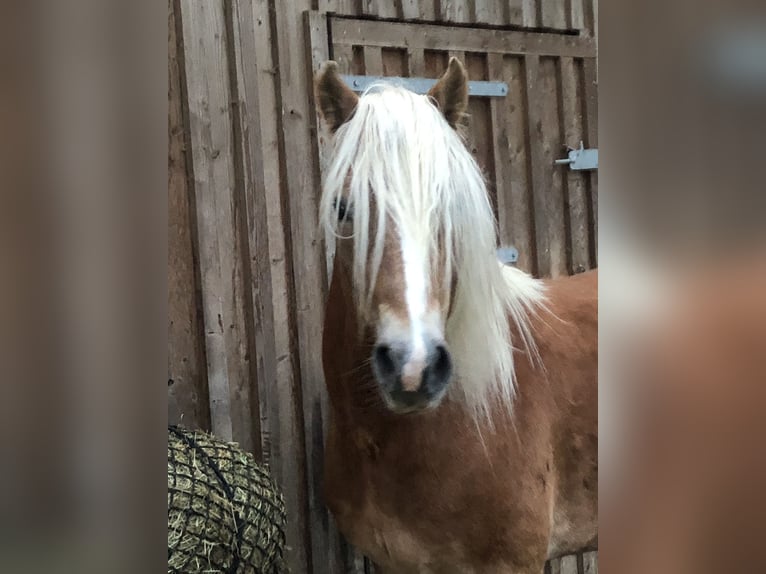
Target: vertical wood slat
x=455, y=11
x=373, y=61
x=546, y=183
x=575, y=181
x=245, y=131
x=187, y=393
x=301, y=188
x=515, y=11
x=577, y=14
x=590, y=563
x=219, y=226
x=411, y=9
x=344, y=56
x=553, y=14
x=281, y=430
x=537, y=171
x=590, y=116
x=489, y=12
x=382, y=8
x=556, y=217
x=511, y=160
x=428, y=10
x=529, y=13
x=343, y=7
x=480, y=121
x=416, y=63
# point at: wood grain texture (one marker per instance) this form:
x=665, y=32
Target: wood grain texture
x=220, y=236
x=551, y=195
x=187, y=377
x=281, y=424
x=554, y=14
x=571, y=103
x=373, y=61
x=509, y=123
x=590, y=115
x=410, y=9
x=394, y=62
x=480, y=123
x=301, y=190
x=590, y=563
x=371, y=33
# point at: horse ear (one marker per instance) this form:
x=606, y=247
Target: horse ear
x=451, y=93
x=335, y=100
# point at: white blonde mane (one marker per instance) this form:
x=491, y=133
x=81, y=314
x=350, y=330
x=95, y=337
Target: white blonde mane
x=399, y=161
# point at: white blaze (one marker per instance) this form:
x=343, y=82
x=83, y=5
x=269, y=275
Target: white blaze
x=416, y=298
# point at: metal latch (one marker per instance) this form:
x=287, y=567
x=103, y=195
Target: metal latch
x=581, y=159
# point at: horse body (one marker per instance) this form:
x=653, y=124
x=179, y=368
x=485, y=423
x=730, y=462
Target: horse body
x=431, y=492
x=462, y=435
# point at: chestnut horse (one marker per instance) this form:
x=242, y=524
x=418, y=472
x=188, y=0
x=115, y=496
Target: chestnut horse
x=463, y=395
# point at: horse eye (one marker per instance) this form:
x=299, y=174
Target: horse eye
x=344, y=214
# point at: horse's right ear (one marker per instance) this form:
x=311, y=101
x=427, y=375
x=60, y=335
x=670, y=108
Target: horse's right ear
x=335, y=100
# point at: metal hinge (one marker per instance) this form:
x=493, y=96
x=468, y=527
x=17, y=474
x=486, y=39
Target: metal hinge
x=581, y=159
x=422, y=85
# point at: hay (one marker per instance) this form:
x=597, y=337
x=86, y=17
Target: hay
x=224, y=512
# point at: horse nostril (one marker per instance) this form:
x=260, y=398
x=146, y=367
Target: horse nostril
x=384, y=360
x=441, y=367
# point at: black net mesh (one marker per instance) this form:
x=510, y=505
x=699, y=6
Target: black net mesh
x=224, y=512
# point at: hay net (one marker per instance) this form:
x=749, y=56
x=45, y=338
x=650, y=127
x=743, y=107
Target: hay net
x=224, y=512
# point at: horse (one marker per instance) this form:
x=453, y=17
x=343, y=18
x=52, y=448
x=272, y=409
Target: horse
x=463, y=392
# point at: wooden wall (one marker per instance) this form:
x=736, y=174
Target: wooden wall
x=247, y=273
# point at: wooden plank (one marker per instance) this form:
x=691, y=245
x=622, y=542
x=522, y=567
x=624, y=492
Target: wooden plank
x=530, y=13
x=282, y=432
x=575, y=181
x=553, y=14
x=245, y=131
x=435, y=63
x=512, y=159
x=553, y=199
x=590, y=9
x=577, y=14
x=515, y=12
x=394, y=62
x=539, y=171
x=489, y=12
x=219, y=229
x=500, y=150
x=187, y=381
x=455, y=11
x=568, y=564
x=343, y=7
x=480, y=121
x=590, y=117
x=428, y=9
x=431, y=37
x=590, y=563
x=344, y=55
x=382, y=8
x=373, y=61
x=411, y=9
x=301, y=191
x=416, y=63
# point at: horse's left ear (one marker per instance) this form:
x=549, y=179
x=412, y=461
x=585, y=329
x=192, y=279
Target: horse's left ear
x=451, y=93
x=334, y=99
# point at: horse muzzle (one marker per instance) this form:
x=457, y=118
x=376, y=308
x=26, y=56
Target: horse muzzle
x=410, y=380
